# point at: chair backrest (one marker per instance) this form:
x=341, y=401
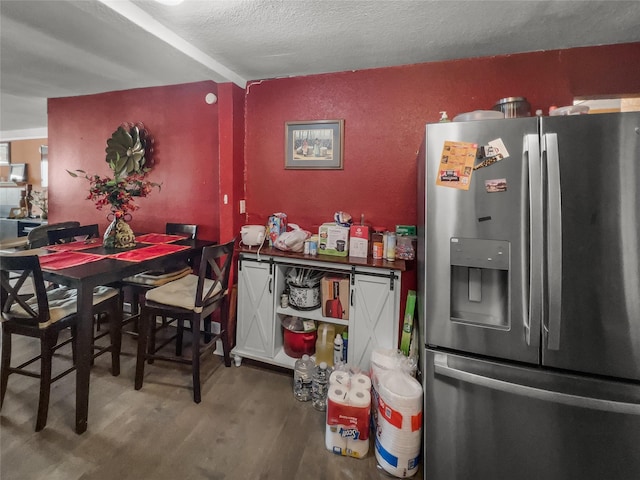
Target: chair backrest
x=21, y=278
x=215, y=263
x=38, y=237
x=182, y=229
x=71, y=234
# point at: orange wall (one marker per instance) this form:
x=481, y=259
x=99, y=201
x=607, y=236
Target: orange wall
x=26, y=151
x=385, y=112
x=206, y=151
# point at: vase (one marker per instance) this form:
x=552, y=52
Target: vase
x=119, y=234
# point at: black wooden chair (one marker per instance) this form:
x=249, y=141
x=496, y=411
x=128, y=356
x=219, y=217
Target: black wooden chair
x=138, y=285
x=191, y=298
x=39, y=236
x=73, y=234
x=29, y=309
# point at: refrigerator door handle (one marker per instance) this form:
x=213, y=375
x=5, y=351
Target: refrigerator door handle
x=554, y=240
x=532, y=239
x=441, y=367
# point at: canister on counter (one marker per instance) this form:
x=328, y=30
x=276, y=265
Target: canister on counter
x=377, y=243
x=391, y=247
x=313, y=247
x=307, y=247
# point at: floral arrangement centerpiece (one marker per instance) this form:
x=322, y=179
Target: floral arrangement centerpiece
x=128, y=155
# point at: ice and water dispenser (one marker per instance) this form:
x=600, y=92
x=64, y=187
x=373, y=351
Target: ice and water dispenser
x=479, y=292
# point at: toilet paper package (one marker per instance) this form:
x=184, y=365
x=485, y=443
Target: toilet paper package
x=348, y=417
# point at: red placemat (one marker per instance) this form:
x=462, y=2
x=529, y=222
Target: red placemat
x=71, y=246
x=147, y=253
x=57, y=261
x=159, y=238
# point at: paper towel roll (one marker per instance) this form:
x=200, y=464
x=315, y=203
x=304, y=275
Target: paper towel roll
x=357, y=448
x=334, y=441
x=361, y=381
x=339, y=378
x=401, y=391
x=338, y=394
x=359, y=398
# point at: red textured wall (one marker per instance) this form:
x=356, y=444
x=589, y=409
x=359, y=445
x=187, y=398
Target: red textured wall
x=186, y=150
x=200, y=148
x=385, y=112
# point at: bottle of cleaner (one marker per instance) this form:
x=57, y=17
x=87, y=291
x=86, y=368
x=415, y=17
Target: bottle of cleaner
x=337, y=349
x=345, y=346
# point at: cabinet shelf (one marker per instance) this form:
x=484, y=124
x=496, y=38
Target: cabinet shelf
x=315, y=314
x=374, y=306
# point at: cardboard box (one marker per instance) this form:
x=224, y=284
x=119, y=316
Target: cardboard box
x=335, y=306
x=359, y=240
x=333, y=239
x=405, y=229
x=277, y=224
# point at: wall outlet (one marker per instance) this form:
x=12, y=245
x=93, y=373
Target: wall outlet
x=243, y=207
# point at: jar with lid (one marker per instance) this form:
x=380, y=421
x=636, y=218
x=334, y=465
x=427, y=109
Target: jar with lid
x=513, y=107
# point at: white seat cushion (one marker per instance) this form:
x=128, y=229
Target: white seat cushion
x=63, y=302
x=182, y=293
x=157, y=277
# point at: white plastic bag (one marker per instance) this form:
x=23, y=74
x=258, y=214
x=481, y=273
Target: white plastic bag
x=292, y=241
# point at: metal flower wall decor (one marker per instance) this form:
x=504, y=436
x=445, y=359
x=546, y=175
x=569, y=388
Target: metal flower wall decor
x=129, y=152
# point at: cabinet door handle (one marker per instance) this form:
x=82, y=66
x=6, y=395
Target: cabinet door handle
x=270, y=289
x=352, y=299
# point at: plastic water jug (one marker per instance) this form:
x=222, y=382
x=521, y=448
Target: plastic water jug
x=324, y=343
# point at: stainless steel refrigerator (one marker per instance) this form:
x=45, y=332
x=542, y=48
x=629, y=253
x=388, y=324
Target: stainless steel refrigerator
x=529, y=298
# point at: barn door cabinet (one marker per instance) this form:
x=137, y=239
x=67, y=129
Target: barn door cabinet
x=374, y=304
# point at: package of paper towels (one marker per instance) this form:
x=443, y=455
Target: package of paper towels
x=348, y=416
x=399, y=423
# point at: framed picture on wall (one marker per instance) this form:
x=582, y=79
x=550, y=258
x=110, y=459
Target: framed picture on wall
x=5, y=153
x=314, y=144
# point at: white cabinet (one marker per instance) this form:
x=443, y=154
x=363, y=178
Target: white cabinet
x=374, y=305
x=256, y=331
x=376, y=299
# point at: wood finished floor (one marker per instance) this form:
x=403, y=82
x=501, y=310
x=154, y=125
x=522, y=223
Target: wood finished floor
x=248, y=426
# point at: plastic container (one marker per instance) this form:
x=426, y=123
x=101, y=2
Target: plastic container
x=513, y=107
x=303, y=378
x=569, y=110
x=324, y=343
x=377, y=243
x=337, y=349
x=345, y=346
x=320, y=386
x=478, y=115
x=391, y=247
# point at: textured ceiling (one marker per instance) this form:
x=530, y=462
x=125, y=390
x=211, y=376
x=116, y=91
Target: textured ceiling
x=64, y=48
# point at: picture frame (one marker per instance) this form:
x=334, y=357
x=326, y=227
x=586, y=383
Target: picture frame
x=5, y=153
x=314, y=144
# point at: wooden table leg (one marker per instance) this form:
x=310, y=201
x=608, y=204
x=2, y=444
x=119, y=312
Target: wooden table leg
x=84, y=355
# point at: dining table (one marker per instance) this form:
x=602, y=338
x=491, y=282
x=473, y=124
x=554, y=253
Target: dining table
x=86, y=264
